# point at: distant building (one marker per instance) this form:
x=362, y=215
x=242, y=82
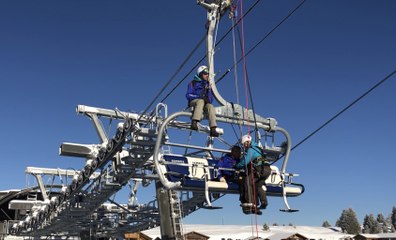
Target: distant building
x=380, y=236
x=136, y=236
x=195, y=236
x=296, y=236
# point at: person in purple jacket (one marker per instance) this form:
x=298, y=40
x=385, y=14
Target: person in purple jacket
x=228, y=161
x=200, y=96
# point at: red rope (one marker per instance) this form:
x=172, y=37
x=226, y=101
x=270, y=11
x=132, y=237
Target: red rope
x=247, y=112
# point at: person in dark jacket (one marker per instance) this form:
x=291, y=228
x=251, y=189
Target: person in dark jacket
x=257, y=170
x=228, y=161
x=200, y=96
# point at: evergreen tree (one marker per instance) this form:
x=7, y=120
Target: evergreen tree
x=393, y=217
x=383, y=223
x=371, y=225
x=265, y=227
x=366, y=227
x=389, y=222
x=348, y=222
x=392, y=228
x=366, y=224
x=326, y=224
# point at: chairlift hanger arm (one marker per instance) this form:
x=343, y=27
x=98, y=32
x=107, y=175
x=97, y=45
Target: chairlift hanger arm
x=214, y=4
x=215, y=10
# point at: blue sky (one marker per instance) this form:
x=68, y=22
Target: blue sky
x=55, y=55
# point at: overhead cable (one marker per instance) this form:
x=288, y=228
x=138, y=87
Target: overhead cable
x=339, y=113
x=173, y=76
x=346, y=108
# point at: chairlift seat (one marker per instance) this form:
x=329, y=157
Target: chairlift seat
x=194, y=173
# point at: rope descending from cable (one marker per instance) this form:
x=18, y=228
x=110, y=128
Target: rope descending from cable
x=248, y=93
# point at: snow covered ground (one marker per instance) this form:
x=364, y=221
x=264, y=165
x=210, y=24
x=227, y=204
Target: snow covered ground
x=219, y=232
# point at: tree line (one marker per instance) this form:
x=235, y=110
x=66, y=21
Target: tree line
x=349, y=223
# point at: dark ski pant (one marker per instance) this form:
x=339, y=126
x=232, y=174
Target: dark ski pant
x=247, y=192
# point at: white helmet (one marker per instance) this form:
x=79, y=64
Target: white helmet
x=201, y=68
x=246, y=138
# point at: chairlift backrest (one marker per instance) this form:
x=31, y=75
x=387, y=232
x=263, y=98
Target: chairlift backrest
x=198, y=168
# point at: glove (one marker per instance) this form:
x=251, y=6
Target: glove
x=222, y=179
